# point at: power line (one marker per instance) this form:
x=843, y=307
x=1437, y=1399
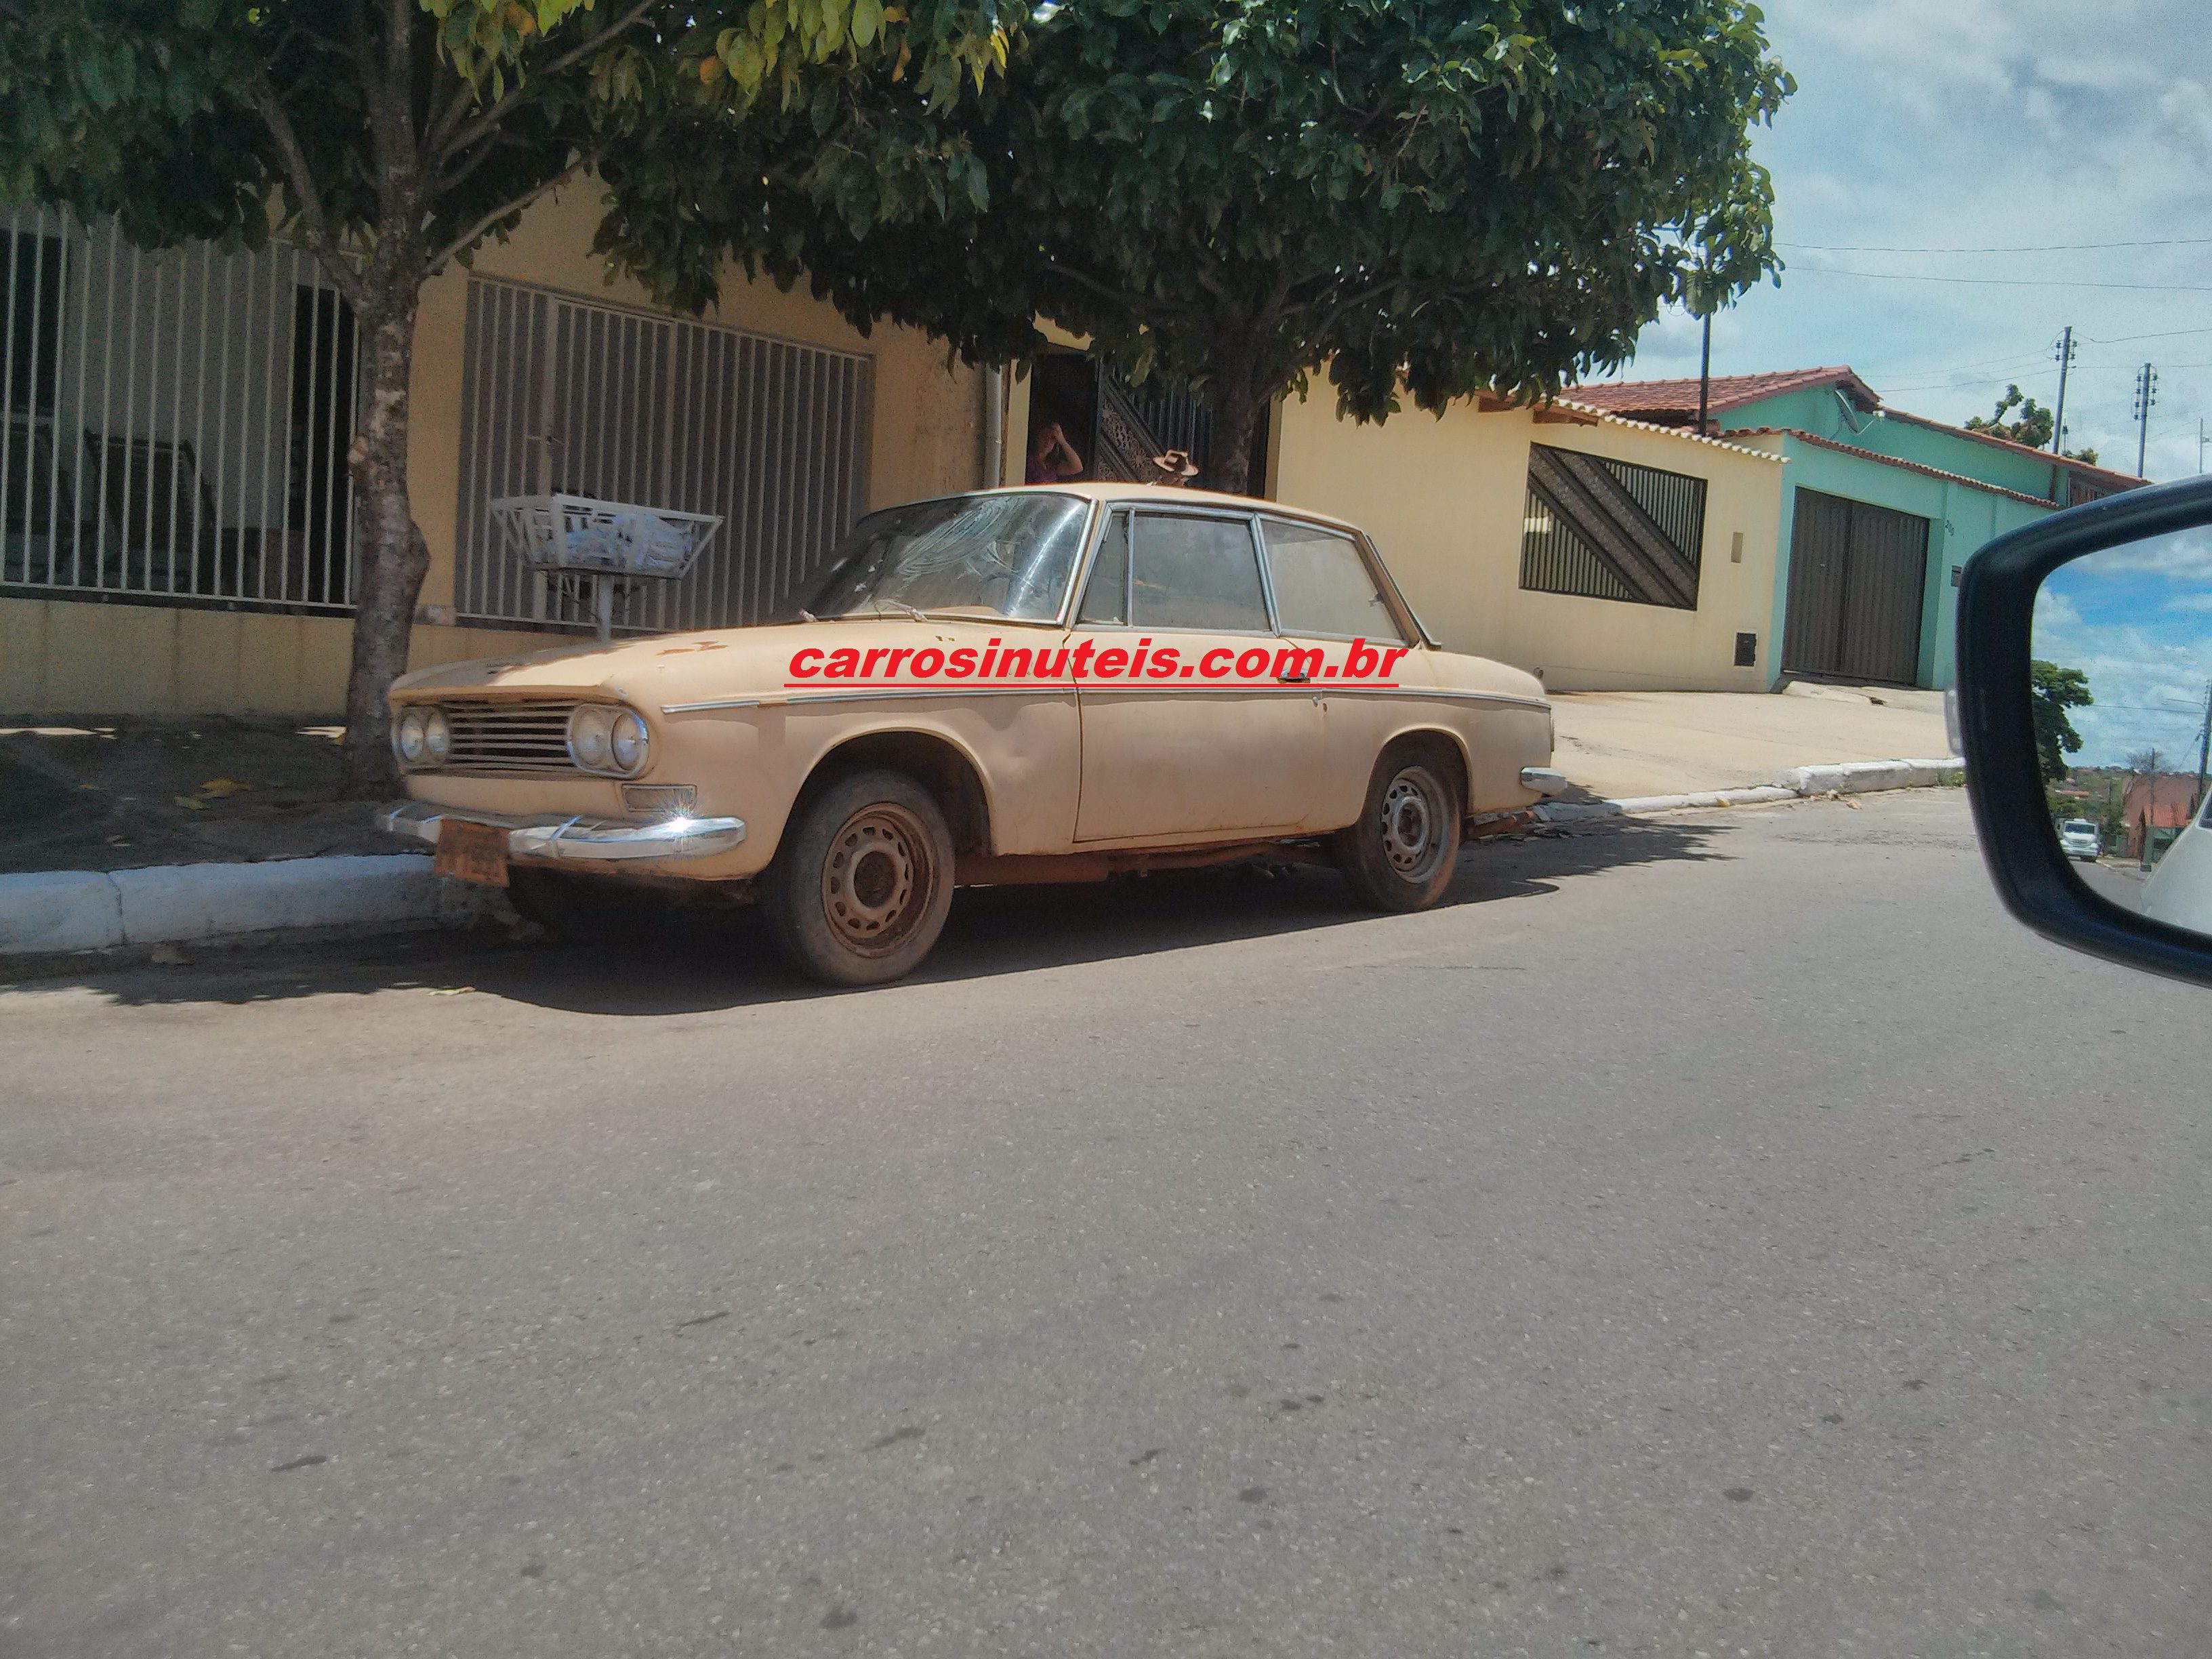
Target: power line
x=2163, y=334
x=2012, y=378
x=2025, y=367
x=2026, y=375
x=1994, y=365
x=2048, y=248
x=1999, y=365
x=1999, y=282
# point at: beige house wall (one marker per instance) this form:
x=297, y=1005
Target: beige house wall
x=64, y=659
x=71, y=657
x=1444, y=500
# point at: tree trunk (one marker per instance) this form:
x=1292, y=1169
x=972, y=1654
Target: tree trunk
x=1238, y=401
x=394, y=558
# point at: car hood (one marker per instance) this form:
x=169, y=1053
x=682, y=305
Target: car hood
x=675, y=667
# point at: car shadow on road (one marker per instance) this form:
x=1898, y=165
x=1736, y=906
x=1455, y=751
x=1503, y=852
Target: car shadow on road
x=699, y=964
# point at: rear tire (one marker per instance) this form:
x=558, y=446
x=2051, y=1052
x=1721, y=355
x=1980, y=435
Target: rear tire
x=860, y=886
x=1400, y=855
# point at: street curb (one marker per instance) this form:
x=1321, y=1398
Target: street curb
x=57, y=912
x=1799, y=783
x=1639, y=805
x=172, y=904
x=1863, y=777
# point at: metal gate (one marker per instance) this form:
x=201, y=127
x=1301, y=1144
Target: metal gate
x=174, y=425
x=1858, y=576
x=564, y=394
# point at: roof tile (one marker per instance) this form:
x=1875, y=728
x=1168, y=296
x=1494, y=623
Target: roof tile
x=1727, y=392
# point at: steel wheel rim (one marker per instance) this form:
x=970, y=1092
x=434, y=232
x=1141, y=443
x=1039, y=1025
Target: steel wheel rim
x=1413, y=823
x=876, y=881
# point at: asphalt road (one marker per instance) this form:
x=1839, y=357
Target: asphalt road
x=2117, y=881
x=1730, y=1237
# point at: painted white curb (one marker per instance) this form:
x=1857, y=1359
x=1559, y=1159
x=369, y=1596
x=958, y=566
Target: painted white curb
x=1635, y=805
x=64, y=910
x=85, y=910
x=1850, y=778
x=1859, y=777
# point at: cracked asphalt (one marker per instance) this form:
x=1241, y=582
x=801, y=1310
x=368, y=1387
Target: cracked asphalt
x=1726, y=1237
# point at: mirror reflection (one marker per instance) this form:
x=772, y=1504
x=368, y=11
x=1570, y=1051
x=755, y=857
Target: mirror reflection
x=2123, y=690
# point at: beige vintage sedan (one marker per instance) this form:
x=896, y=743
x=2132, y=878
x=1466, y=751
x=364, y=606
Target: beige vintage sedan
x=1041, y=684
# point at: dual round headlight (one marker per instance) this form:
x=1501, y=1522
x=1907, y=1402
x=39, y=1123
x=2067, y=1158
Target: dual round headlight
x=603, y=739
x=423, y=737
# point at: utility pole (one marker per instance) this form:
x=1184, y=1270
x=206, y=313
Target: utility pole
x=2203, y=755
x=1706, y=374
x=2146, y=395
x=2058, y=420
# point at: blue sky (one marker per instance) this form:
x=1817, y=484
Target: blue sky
x=1988, y=123
x=2138, y=621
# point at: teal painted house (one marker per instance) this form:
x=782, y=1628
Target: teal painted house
x=1880, y=510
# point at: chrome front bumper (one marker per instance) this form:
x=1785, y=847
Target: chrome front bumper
x=557, y=835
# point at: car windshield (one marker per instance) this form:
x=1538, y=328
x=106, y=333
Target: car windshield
x=984, y=555
x=2079, y=827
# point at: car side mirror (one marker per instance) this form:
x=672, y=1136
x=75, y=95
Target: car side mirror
x=2085, y=707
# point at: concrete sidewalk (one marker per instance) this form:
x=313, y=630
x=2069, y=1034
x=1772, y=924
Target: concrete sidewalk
x=1621, y=745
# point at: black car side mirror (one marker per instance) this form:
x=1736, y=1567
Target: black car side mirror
x=2085, y=708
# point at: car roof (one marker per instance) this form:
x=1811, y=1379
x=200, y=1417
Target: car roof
x=1170, y=496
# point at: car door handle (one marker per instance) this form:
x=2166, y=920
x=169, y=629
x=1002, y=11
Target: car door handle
x=1295, y=679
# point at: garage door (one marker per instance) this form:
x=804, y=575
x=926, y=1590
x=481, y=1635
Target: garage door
x=1858, y=576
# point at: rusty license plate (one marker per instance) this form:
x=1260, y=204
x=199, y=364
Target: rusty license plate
x=471, y=851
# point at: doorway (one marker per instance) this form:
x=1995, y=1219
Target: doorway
x=1858, y=577
x=1117, y=429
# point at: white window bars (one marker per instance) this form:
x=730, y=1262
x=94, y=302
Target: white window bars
x=565, y=396
x=175, y=424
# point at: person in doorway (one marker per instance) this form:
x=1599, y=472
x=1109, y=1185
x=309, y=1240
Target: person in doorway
x=1052, y=458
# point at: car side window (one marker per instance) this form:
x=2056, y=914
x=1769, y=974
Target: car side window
x=1189, y=571
x=1107, y=598
x=1322, y=584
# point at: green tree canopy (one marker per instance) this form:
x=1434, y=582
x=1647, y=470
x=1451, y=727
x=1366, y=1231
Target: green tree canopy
x=391, y=136
x=2055, y=690
x=1431, y=197
x=2034, y=425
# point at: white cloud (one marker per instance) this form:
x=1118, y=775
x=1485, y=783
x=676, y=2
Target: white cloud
x=2185, y=117
x=2144, y=639
x=2184, y=557
x=2149, y=688
x=2054, y=610
x=1989, y=122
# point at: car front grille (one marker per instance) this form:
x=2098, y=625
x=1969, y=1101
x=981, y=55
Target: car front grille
x=509, y=737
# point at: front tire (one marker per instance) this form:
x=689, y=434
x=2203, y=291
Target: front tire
x=1400, y=855
x=860, y=887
